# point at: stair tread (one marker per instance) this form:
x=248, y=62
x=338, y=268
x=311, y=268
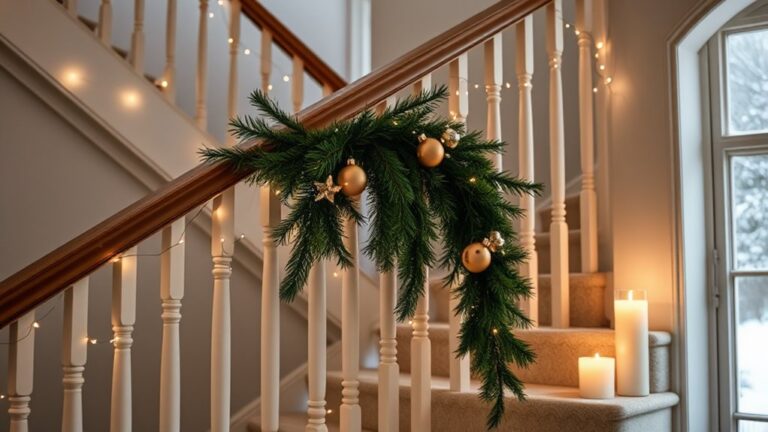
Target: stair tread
x=292, y=422
x=618, y=407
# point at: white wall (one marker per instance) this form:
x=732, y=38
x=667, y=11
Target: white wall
x=55, y=183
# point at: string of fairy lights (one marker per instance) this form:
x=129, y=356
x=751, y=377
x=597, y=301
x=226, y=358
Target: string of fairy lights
x=93, y=339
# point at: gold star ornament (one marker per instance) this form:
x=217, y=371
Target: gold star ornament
x=326, y=190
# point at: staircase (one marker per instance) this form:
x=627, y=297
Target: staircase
x=551, y=383
x=429, y=388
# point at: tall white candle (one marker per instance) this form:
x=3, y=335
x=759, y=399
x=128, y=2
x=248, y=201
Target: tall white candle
x=632, y=367
x=597, y=377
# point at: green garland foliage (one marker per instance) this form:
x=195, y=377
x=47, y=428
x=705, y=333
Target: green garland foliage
x=413, y=211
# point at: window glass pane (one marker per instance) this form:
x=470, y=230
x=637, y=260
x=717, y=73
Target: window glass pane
x=749, y=183
x=747, y=81
x=751, y=343
x=752, y=426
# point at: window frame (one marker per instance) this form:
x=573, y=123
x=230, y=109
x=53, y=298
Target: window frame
x=724, y=145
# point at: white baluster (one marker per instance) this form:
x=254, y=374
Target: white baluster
x=317, y=349
x=587, y=196
x=201, y=83
x=422, y=85
x=524, y=67
x=222, y=247
x=266, y=59
x=123, y=319
x=458, y=105
x=297, y=87
x=389, y=370
x=270, y=314
x=104, y=30
x=421, y=365
x=169, y=74
x=21, y=358
x=171, y=294
x=137, y=40
x=558, y=228
x=350, y=414
x=71, y=6
x=493, y=78
x=234, y=37
x=74, y=351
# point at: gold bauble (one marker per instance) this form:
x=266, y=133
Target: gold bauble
x=476, y=257
x=352, y=179
x=430, y=152
x=450, y=138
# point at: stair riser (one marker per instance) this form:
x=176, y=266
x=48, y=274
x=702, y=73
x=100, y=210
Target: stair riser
x=587, y=301
x=556, y=356
x=450, y=413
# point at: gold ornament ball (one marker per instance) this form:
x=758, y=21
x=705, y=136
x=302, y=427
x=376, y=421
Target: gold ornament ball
x=476, y=257
x=451, y=138
x=430, y=152
x=352, y=179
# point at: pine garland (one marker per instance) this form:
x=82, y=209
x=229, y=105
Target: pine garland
x=413, y=209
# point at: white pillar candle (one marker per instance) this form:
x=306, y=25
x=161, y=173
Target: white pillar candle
x=597, y=377
x=631, y=315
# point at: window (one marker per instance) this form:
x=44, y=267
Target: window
x=738, y=70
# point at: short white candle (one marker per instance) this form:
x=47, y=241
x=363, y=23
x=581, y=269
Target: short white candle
x=632, y=363
x=597, y=377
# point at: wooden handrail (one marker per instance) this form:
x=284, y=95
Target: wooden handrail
x=41, y=280
x=292, y=45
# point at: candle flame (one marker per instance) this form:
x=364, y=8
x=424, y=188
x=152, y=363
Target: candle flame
x=597, y=355
x=629, y=295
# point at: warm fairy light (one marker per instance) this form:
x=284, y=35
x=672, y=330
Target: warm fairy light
x=329, y=411
x=247, y=51
x=181, y=241
x=164, y=84
x=130, y=99
x=600, y=45
x=286, y=78
x=472, y=179
x=2, y=396
x=277, y=192
x=112, y=341
x=115, y=259
x=576, y=32
x=210, y=14
x=594, y=89
x=37, y=324
x=567, y=25
x=335, y=274
x=242, y=236
x=220, y=2
x=602, y=67
x=608, y=80
x=477, y=85
x=410, y=322
x=230, y=40
x=597, y=55
x=495, y=331
x=93, y=341
x=222, y=239
x=394, y=122
x=73, y=78
x=269, y=87
x=508, y=85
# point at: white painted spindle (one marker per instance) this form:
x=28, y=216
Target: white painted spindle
x=266, y=60
x=234, y=51
x=297, y=86
x=317, y=349
x=201, y=83
x=222, y=247
x=458, y=105
x=21, y=358
x=123, y=319
x=493, y=78
x=171, y=294
x=270, y=313
x=524, y=68
x=389, y=370
x=169, y=74
x=421, y=365
x=104, y=30
x=137, y=39
x=350, y=413
x=558, y=229
x=74, y=351
x=587, y=196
